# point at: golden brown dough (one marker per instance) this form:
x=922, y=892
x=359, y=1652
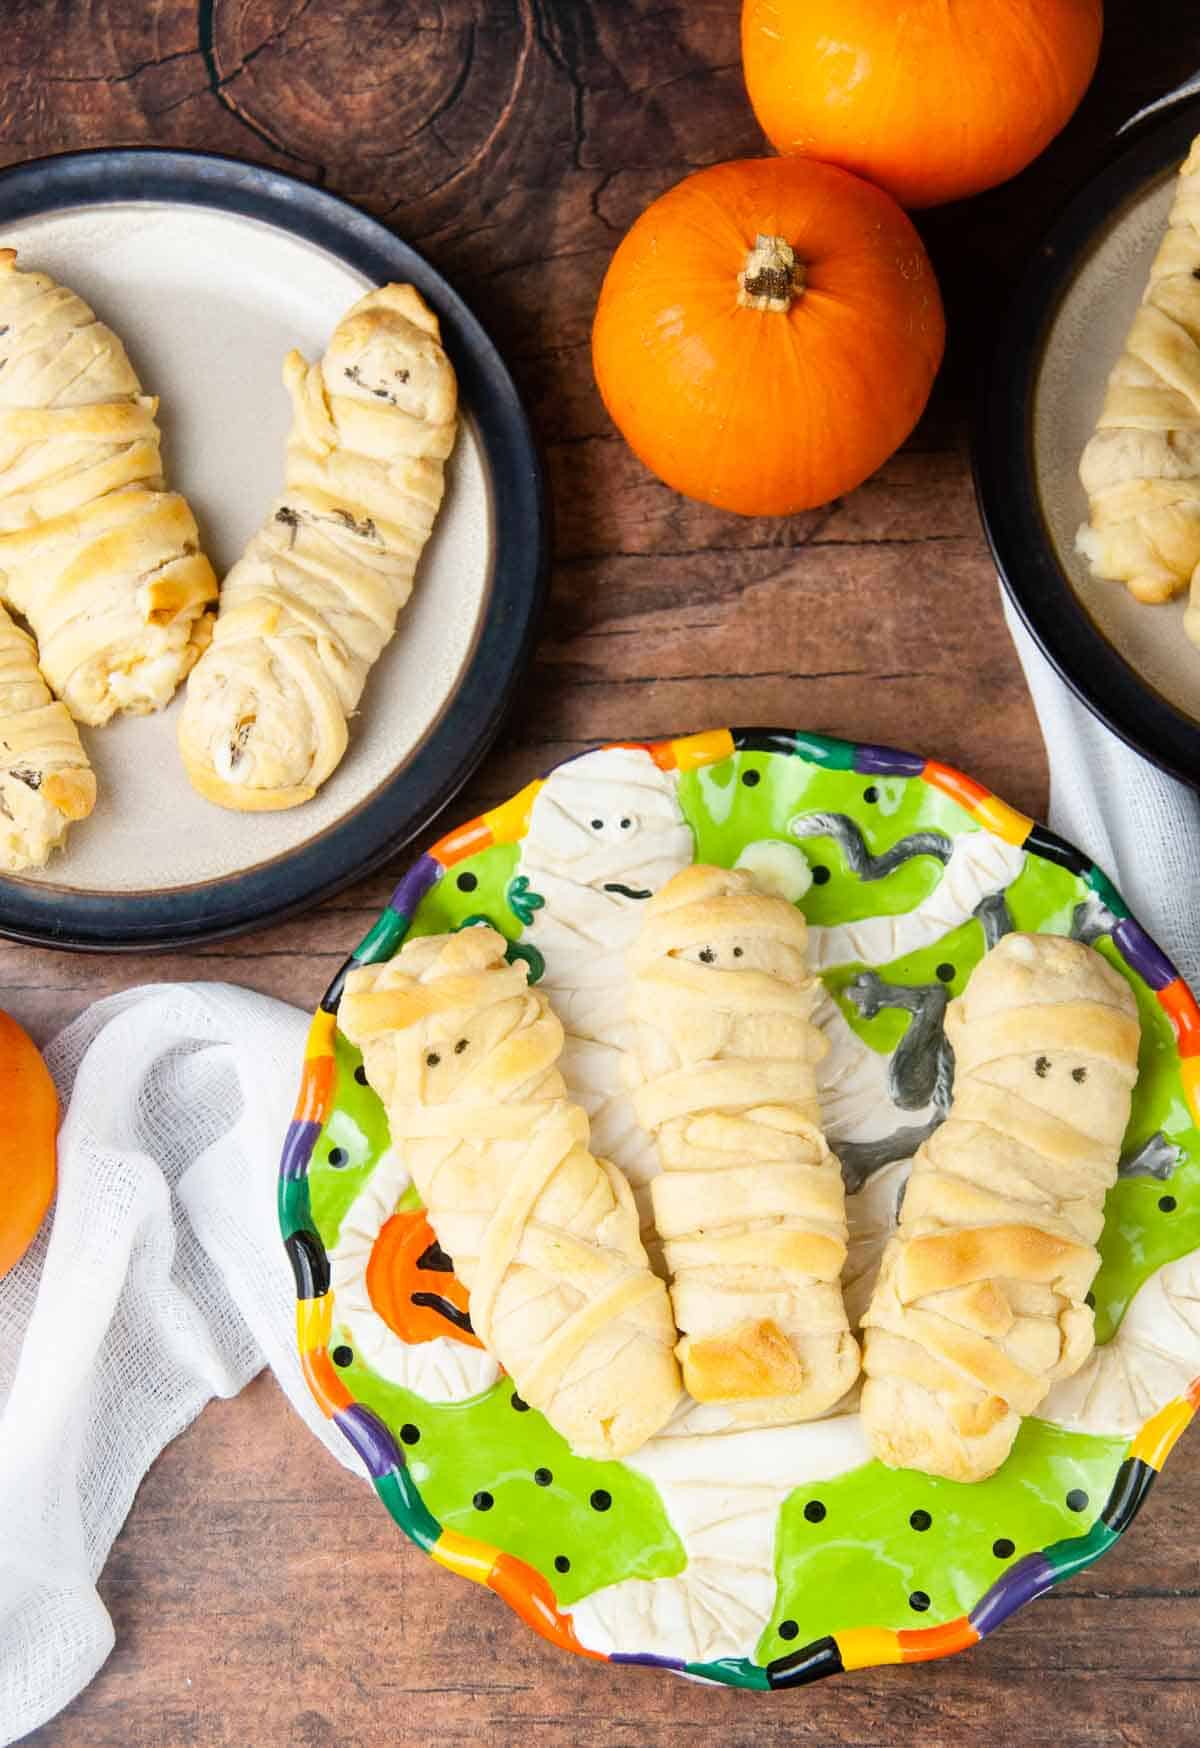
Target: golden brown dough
x=544, y=1236
x=750, y=1204
x=1141, y=469
x=45, y=779
x=307, y=610
x=980, y=1302
x=101, y=561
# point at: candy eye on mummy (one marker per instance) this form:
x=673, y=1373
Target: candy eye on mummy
x=1043, y=1066
x=710, y=956
x=433, y=1057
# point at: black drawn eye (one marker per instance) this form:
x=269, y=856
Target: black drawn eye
x=737, y=952
x=432, y=1060
x=626, y=824
x=1042, y=1067
x=707, y=956
x=1079, y=1075
x=597, y=825
x=460, y=1046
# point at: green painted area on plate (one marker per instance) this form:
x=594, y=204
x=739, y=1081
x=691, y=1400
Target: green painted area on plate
x=486, y=1446
x=1139, y=1236
x=726, y=815
x=446, y=906
x=293, y=1205
x=1043, y=898
x=859, y=1565
x=358, y=1128
x=400, y=1494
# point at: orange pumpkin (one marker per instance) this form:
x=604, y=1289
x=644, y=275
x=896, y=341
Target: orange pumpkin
x=767, y=334
x=28, y=1137
x=931, y=99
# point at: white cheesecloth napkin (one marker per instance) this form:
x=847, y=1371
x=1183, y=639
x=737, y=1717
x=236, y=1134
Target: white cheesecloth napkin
x=160, y=1283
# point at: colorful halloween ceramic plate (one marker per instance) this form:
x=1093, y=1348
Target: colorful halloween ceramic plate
x=760, y=1558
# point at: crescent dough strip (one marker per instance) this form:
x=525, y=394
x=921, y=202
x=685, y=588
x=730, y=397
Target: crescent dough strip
x=544, y=1236
x=750, y=1203
x=95, y=554
x=980, y=1302
x=1141, y=468
x=45, y=779
x=307, y=610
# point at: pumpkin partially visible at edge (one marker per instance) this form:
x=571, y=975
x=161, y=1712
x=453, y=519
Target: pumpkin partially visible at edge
x=768, y=333
x=932, y=99
x=28, y=1141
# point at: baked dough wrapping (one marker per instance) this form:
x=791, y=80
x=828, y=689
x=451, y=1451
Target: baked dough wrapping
x=97, y=556
x=749, y=1204
x=544, y=1236
x=980, y=1302
x=307, y=610
x=45, y=779
x=1141, y=468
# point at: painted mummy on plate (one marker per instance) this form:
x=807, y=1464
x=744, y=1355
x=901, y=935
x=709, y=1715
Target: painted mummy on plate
x=606, y=831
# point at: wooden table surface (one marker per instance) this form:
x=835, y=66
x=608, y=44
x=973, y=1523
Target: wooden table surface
x=512, y=141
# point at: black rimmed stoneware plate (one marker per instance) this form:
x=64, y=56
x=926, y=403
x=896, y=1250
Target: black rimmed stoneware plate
x=211, y=271
x=1130, y=664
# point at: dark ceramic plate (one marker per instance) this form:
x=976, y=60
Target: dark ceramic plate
x=1129, y=663
x=211, y=270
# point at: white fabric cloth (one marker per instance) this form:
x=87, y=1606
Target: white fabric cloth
x=1137, y=824
x=160, y=1283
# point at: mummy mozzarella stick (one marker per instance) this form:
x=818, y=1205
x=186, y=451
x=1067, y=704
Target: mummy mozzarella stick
x=1141, y=468
x=980, y=1302
x=45, y=779
x=101, y=560
x=749, y=1204
x=544, y=1236
x=307, y=610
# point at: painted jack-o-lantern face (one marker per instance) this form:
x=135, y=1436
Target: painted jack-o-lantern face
x=412, y=1285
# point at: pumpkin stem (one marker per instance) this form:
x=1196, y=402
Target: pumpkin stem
x=772, y=276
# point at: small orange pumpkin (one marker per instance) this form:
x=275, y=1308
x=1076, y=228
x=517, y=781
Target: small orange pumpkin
x=768, y=333
x=931, y=99
x=28, y=1141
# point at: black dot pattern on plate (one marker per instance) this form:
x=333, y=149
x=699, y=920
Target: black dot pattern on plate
x=1077, y=1499
x=920, y=1520
x=342, y=1356
x=561, y=1563
x=945, y=972
x=338, y=1156
x=483, y=1501
x=918, y=1601
x=409, y=1434
x=871, y=794
x=467, y=882
x=1003, y=1548
x=820, y=875
x=601, y=1499
x=1168, y=1204
x=519, y=1403
x=814, y=1511
x=751, y=779
x=543, y=1477
x=360, y=1075
x=788, y=1630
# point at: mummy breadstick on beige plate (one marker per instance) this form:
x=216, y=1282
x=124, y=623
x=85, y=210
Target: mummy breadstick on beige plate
x=543, y=1235
x=307, y=610
x=980, y=1303
x=750, y=1204
x=98, y=557
x=45, y=779
x=1141, y=468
